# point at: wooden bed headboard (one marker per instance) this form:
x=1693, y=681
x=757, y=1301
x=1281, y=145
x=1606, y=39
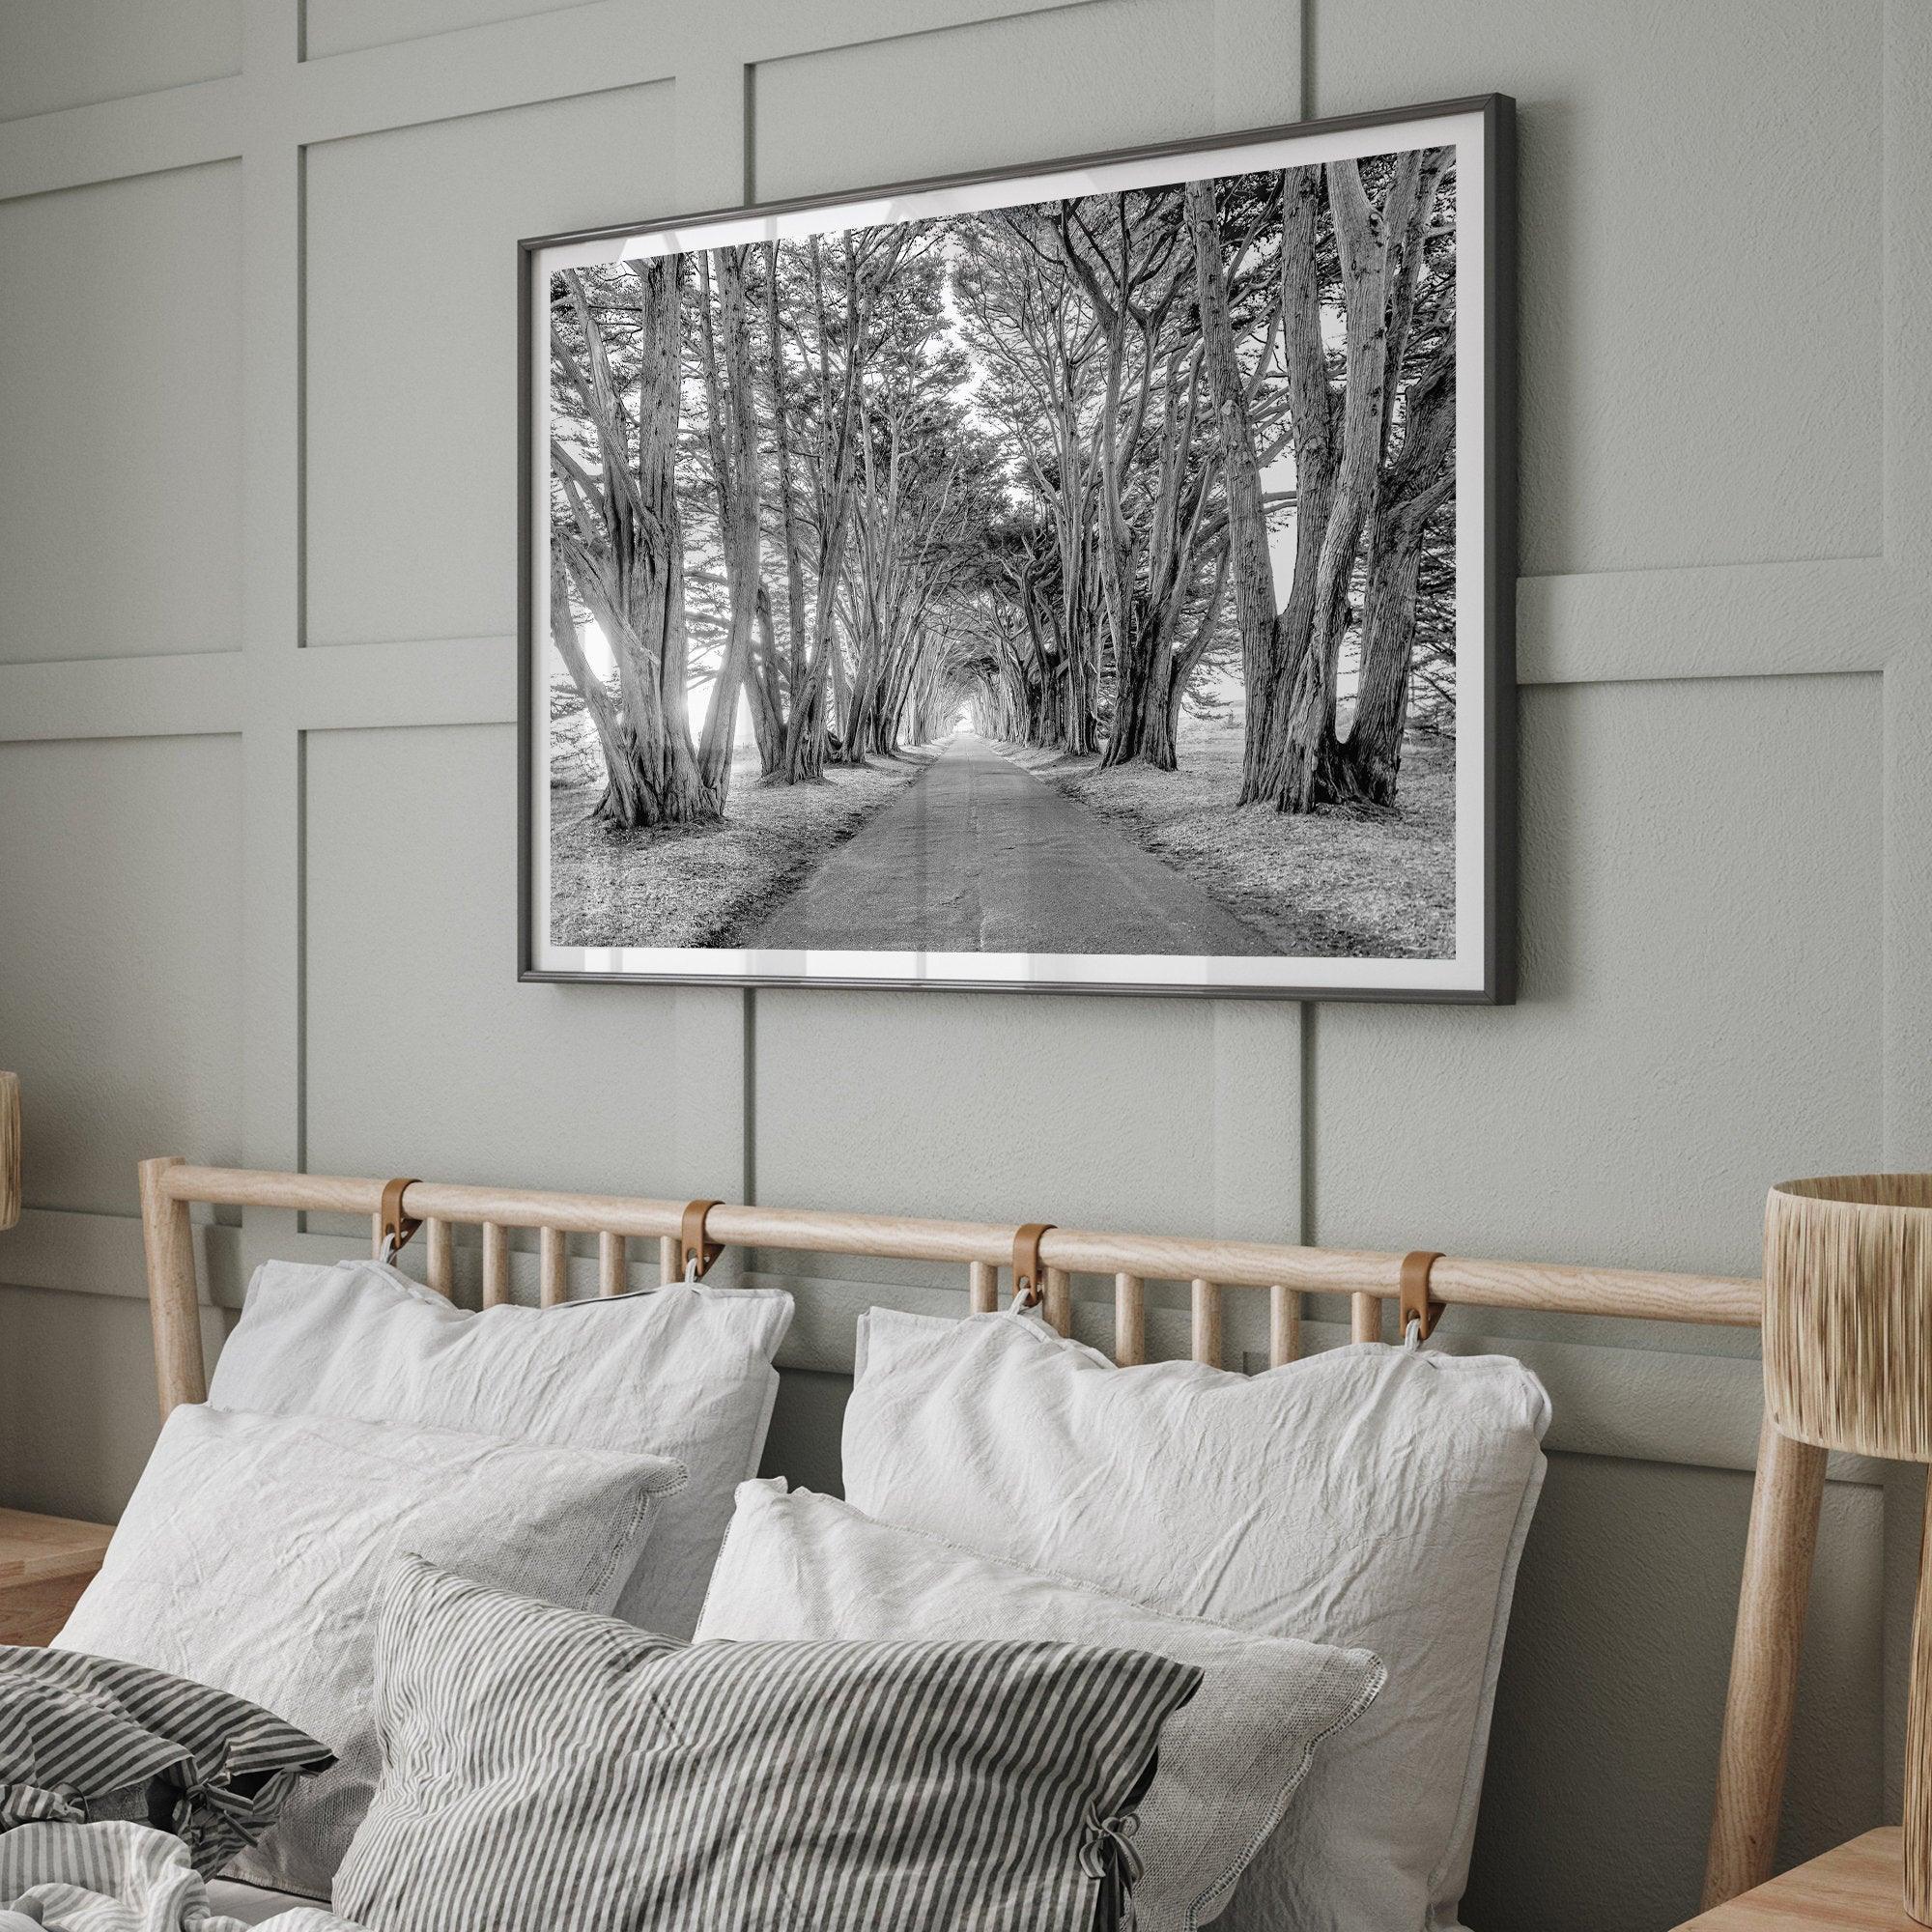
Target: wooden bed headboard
x=1786, y=1496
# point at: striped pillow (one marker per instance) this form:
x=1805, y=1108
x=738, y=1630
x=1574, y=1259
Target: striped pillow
x=87, y=1738
x=550, y=1771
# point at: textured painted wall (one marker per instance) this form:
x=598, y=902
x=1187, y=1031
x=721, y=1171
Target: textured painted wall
x=257, y=798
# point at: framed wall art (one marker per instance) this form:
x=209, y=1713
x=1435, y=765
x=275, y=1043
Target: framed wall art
x=1093, y=577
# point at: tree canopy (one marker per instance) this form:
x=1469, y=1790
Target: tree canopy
x=1066, y=470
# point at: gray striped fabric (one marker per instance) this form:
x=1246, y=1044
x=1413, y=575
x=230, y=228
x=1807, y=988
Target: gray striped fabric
x=85, y=1738
x=127, y=1878
x=550, y=1771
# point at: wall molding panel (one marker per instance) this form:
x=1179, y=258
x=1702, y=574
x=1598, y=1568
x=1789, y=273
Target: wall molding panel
x=123, y=697
x=1603, y=627
x=149, y=133
x=1728, y=620
x=376, y=771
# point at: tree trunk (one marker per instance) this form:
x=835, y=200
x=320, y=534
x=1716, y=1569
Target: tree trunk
x=620, y=777
x=1187, y=661
x=805, y=739
x=1313, y=419
x=732, y=430
x=1077, y=640
x=1143, y=731
x=1418, y=484
x=1371, y=246
x=1250, y=566
x=766, y=686
x=873, y=546
x=1371, y=757
x=795, y=680
x=624, y=552
x=685, y=797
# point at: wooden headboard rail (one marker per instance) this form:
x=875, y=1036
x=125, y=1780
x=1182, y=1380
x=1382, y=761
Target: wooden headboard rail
x=1790, y=1475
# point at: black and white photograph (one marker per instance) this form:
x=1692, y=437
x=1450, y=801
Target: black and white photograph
x=1075, y=579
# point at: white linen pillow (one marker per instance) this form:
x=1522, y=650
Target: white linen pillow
x=684, y=1371
x=253, y=1553
x=1374, y=1497
x=801, y=1566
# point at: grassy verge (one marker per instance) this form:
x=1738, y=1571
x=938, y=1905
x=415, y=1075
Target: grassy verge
x=1337, y=882
x=704, y=884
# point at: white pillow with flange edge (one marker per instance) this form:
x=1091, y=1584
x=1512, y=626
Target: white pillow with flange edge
x=1370, y=1496
x=684, y=1371
x=802, y=1566
x=253, y=1553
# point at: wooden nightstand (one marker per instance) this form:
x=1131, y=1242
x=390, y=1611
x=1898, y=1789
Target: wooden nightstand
x=1855, y=1889
x=46, y=1563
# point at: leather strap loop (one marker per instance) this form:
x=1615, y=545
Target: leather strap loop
x=695, y=1248
x=1418, y=1305
x=1029, y=1277
x=395, y=1225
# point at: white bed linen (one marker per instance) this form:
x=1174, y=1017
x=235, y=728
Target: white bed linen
x=251, y=1556
x=121, y=1877
x=255, y=1904
x=1373, y=1496
x=799, y=1566
x=682, y=1372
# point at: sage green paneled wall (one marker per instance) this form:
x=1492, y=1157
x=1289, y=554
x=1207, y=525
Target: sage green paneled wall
x=257, y=688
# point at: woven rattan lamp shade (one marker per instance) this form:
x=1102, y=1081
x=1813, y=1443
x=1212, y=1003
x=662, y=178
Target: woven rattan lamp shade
x=1848, y=1313
x=1848, y=1365
x=10, y=1148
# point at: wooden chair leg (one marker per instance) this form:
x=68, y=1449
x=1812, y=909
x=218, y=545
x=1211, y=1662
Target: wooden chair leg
x=1783, y=1538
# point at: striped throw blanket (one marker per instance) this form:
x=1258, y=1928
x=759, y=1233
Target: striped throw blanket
x=119, y=1877
x=85, y=1739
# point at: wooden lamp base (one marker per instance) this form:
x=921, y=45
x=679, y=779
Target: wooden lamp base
x=1918, y=1740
